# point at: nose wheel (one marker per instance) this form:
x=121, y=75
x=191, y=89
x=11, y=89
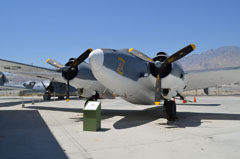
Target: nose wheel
x=170, y=109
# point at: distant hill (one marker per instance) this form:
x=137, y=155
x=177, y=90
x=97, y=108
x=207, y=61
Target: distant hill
x=227, y=56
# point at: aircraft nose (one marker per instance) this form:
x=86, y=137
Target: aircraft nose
x=96, y=59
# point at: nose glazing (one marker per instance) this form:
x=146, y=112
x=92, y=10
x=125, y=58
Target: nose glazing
x=96, y=59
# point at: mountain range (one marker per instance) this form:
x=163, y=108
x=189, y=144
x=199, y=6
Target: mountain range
x=223, y=57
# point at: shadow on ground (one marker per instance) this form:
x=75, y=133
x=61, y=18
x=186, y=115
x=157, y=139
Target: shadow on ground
x=24, y=134
x=27, y=101
x=73, y=110
x=201, y=105
x=134, y=118
x=10, y=104
x=191, y=119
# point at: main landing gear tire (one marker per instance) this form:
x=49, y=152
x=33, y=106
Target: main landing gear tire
x=170, y=108
x=93, y=98
x=60, y=97
x=46, y=96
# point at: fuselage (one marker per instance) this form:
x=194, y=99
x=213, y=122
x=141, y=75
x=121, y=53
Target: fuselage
x=130, y=77
x=37, y=86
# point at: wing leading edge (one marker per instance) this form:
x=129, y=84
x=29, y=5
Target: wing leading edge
x=30, y=71
x=211, y=78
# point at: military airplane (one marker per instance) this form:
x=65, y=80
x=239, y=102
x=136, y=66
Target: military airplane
x=134, y=76
x=47, y=87
x=75, y=72
x=142, y=80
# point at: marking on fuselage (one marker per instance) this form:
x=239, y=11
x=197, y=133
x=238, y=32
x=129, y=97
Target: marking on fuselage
x=121, y=65
x=12, y=67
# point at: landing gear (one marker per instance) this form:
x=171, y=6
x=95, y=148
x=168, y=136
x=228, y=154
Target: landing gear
x=60, y=97
x=46, y=96
x=170, y=108
x=93, y=98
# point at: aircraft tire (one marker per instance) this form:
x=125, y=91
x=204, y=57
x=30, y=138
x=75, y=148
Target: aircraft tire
x=46, y=96
x=170, y=108
x=60, y=97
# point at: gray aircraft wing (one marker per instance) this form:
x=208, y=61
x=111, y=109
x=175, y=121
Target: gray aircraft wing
x=30, y=71
x=211, y=78
x=11, y=87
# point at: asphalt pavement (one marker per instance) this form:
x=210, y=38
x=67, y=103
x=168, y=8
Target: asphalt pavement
x=209, y=128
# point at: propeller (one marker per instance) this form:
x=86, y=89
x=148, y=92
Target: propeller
x=70, y=70
x=160, y=65
x=140, y=55
x=54, y=63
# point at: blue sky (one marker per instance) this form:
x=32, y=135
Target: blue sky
x=33, y=30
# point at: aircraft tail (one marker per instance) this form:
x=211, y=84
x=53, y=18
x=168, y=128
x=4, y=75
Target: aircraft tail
x=3, y=79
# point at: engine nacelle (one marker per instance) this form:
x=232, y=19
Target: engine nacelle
x=161, y=56
x=169, y=94
x=59, y=88
x=69, y=73
x=87, y=93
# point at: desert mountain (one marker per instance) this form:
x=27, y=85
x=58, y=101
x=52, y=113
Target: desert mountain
x=227, y=56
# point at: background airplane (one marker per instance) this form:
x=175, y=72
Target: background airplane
x=46, y=88
x=75, y=72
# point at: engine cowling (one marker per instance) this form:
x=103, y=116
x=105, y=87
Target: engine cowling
x=168, y=93
x=161, y=56
x=69, y=73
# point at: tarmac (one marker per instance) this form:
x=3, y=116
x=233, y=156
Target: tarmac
x=209, y=128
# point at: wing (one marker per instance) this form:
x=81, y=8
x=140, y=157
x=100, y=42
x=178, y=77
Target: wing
x=30, y=71
x=11, y=87
x=212, y=78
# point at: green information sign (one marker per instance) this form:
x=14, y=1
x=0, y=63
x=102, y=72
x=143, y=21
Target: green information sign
x=92, y=116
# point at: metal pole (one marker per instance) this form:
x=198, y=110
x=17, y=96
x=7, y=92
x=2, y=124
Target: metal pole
x=22, y=103
x=32, y=100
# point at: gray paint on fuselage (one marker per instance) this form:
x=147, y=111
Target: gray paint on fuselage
x=177, y=70
x=85, y=72
x=133, y=68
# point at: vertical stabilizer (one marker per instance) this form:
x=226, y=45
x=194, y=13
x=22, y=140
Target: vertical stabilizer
x=3, y=79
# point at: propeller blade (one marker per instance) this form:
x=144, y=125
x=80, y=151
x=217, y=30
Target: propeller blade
x=179, y=54
x=81, y=58
x=140, y=55
x=158, y=90
x=54, y=63
x=67, y=91
x=69, y=72
x=44, y=85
